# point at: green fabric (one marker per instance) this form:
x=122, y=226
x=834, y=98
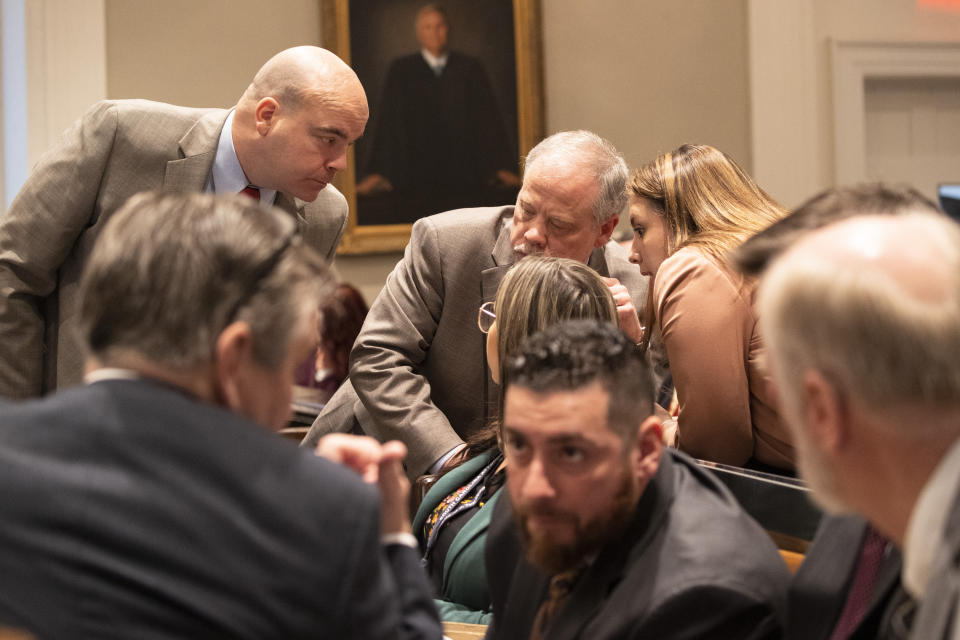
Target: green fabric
x=465, y=595
x=453, y=612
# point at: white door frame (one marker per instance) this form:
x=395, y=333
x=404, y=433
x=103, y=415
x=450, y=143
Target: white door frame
x=855, y=62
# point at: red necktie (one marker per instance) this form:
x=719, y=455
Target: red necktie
x=251, y=191
x=861, y=589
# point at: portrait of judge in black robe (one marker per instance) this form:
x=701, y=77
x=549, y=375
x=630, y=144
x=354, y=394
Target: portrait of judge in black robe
x=438, y=140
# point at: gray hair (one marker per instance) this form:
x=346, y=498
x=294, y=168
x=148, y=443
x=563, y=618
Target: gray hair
x=170, y=272
x=861, y=330
x=594, y=154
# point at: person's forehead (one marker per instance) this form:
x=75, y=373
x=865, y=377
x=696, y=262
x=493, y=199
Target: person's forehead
x=640, y=209
x=346, y=119
x=430, y=16
x=563, y=187
x=558, y=414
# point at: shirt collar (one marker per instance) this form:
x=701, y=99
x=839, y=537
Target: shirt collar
x=227, y=175
x=111, y=373
x=435, y=61
x=929, y=518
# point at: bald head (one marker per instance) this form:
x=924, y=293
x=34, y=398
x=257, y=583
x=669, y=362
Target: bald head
x=872, y=303
x=296, y=120
x=295, y=75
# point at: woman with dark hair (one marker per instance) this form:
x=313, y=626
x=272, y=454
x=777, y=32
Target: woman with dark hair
x=689, y=209
x=452, y=520
x=341, y=317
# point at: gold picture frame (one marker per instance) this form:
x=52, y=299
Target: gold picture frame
x=528, y=48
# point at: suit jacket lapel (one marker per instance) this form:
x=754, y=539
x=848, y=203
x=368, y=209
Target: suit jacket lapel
x=474, y=528
x=503, y=258
x=295, y=208
x=198, y=148
x=600, y=578
x=598, y=262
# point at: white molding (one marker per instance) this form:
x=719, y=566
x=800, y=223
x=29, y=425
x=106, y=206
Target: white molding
x=853, y=63
x=66, y=66
x=783, y=98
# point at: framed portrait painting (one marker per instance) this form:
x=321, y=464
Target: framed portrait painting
x=456, y=99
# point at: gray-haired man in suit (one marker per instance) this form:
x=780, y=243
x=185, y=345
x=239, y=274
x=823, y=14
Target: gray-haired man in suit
x=418, y=368
x=286, y=139
x=155, y=501
x=862, y=321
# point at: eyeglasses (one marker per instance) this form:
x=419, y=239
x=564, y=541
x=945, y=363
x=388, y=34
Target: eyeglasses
x=486, y=317
x=264, y=270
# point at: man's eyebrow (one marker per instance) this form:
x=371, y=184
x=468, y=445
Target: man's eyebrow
x=568, y=438
x=560, y=438
x=340, y=133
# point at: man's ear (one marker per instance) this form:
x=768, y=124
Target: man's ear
x=606, y=230
x=265, y=114
x=825, y=412
x=233, y=351
x=649, y=448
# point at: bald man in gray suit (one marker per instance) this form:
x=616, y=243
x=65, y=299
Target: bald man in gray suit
x=286, y=139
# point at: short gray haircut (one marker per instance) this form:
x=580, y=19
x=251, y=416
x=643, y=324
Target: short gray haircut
x=170, y=272
x=858, y=328
x=592, y=153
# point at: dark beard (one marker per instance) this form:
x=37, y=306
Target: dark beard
x=590, y=537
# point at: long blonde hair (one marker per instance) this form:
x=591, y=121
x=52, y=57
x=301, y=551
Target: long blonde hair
x=538, y=292
x=706, y=199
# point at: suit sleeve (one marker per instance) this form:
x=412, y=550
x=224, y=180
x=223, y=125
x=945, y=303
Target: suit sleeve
x=385, y=592
x=710, y=611
x=393, y=344
x=37, y=233
x=701, y=321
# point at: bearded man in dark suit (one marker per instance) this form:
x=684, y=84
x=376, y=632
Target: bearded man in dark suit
x=607, y=534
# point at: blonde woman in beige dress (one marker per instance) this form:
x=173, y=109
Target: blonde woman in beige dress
x=689, y=209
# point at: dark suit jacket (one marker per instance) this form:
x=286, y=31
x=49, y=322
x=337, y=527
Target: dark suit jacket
x=819, y=589
x=418, y=368
x=131, y=510
x=118, y=148
x=692, y=564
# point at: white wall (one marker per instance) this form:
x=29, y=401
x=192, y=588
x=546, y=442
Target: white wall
x=199, y=53
x=649, y=75
x=791, y=92
x=64, y=60
x=751, y=77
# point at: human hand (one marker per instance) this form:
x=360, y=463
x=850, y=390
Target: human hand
x=670, y=432
x=626, y=313
x=394, y=489
x=507, y=178
x=380, y=464
x=360, y=453
x=373, y=183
